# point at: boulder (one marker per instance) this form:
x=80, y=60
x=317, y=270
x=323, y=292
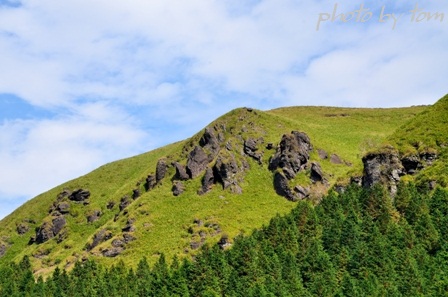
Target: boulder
x=181, y=172
x=322, y=154
x=135, y=193
x=269, y=146
x=99, y=237
x=94, y=216
x=209, y=141
x=63, y=207
x=150, y=182
x=22, y=228
x=129, y=226
x=292, y=153
x=225, y=170
x=63, y=194
x=411, y=164
x=178, y=188
x=124, y=202
x=118, y=243
x=384, y=168
x=224, y=242
x=127, y=237
x=79, y=195
x=301, y=192
x=49, y=230
x=335, y=159
x=250, y=149
x=207, y=181
x=112, y=252
x=160, y=170
x=197, y=162
x=282, y=188
x=316, y=173
x=110, y=205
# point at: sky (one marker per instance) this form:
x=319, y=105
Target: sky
x=84, y=83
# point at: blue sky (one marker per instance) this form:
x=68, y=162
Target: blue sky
x=83, y=83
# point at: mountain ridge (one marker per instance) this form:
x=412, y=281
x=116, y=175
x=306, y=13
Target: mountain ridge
x=162, y=221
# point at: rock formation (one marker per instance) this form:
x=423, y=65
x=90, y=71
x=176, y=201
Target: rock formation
x=292, y=153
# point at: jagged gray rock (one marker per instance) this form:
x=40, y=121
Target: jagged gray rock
x=150, y=182
x=63, y=207
x=135, y=193
x=79, y=195
x=207, y=181
x=99, y=237
x=49, y=230
x=292, y=153
x=22, y=228
x=94, y=216
x=181, y=172
x=178, y=188
x=209, y=141
x=322, y=154
x=160, y=170
x=384, y=168
x=316, y=173
x=282, y=188
x=197, y=162
x=301, y=192
x=411, y=164
x=251, y=148
x=124, y=202
x=113, y=252
x=335, y=159
x=225, y=170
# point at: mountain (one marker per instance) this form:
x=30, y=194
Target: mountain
x=228, y=179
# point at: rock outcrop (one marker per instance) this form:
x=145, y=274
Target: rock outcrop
x=384, y=167
x=124, y=202
x=49, y=230
x=79, y=195
x=282, y=188
x=99, y=237
x=178, y=188
x=22, y=228
x=207, y=181
x=225, y=170
x=181, y=172
x=292, y=154
x=197, y=162
x=94, y=216
x=160, y=170
x=150, y=182
x=251, y=149
x=316, y=173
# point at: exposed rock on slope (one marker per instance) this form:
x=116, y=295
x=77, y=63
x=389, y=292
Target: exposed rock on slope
x=292, y=154
x=384, y=168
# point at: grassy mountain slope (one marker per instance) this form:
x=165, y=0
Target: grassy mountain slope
x=170, y=224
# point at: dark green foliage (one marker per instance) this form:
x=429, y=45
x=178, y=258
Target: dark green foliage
x=360, y=243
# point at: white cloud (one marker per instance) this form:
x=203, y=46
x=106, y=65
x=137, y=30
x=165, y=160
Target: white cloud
x=124, y=76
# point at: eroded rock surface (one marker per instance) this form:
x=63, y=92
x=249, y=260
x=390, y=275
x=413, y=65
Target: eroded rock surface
x=79, y=195
x=292, y=154
x=385, y=168
x=178, y=188
x=49, y=230
x=160, y=170
x=197, y=162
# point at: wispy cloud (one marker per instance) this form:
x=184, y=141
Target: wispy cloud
x=112, y=79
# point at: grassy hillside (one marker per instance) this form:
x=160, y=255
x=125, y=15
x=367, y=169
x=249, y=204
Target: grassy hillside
x=171, y=224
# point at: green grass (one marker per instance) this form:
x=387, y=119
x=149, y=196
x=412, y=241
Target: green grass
x=163, y=221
